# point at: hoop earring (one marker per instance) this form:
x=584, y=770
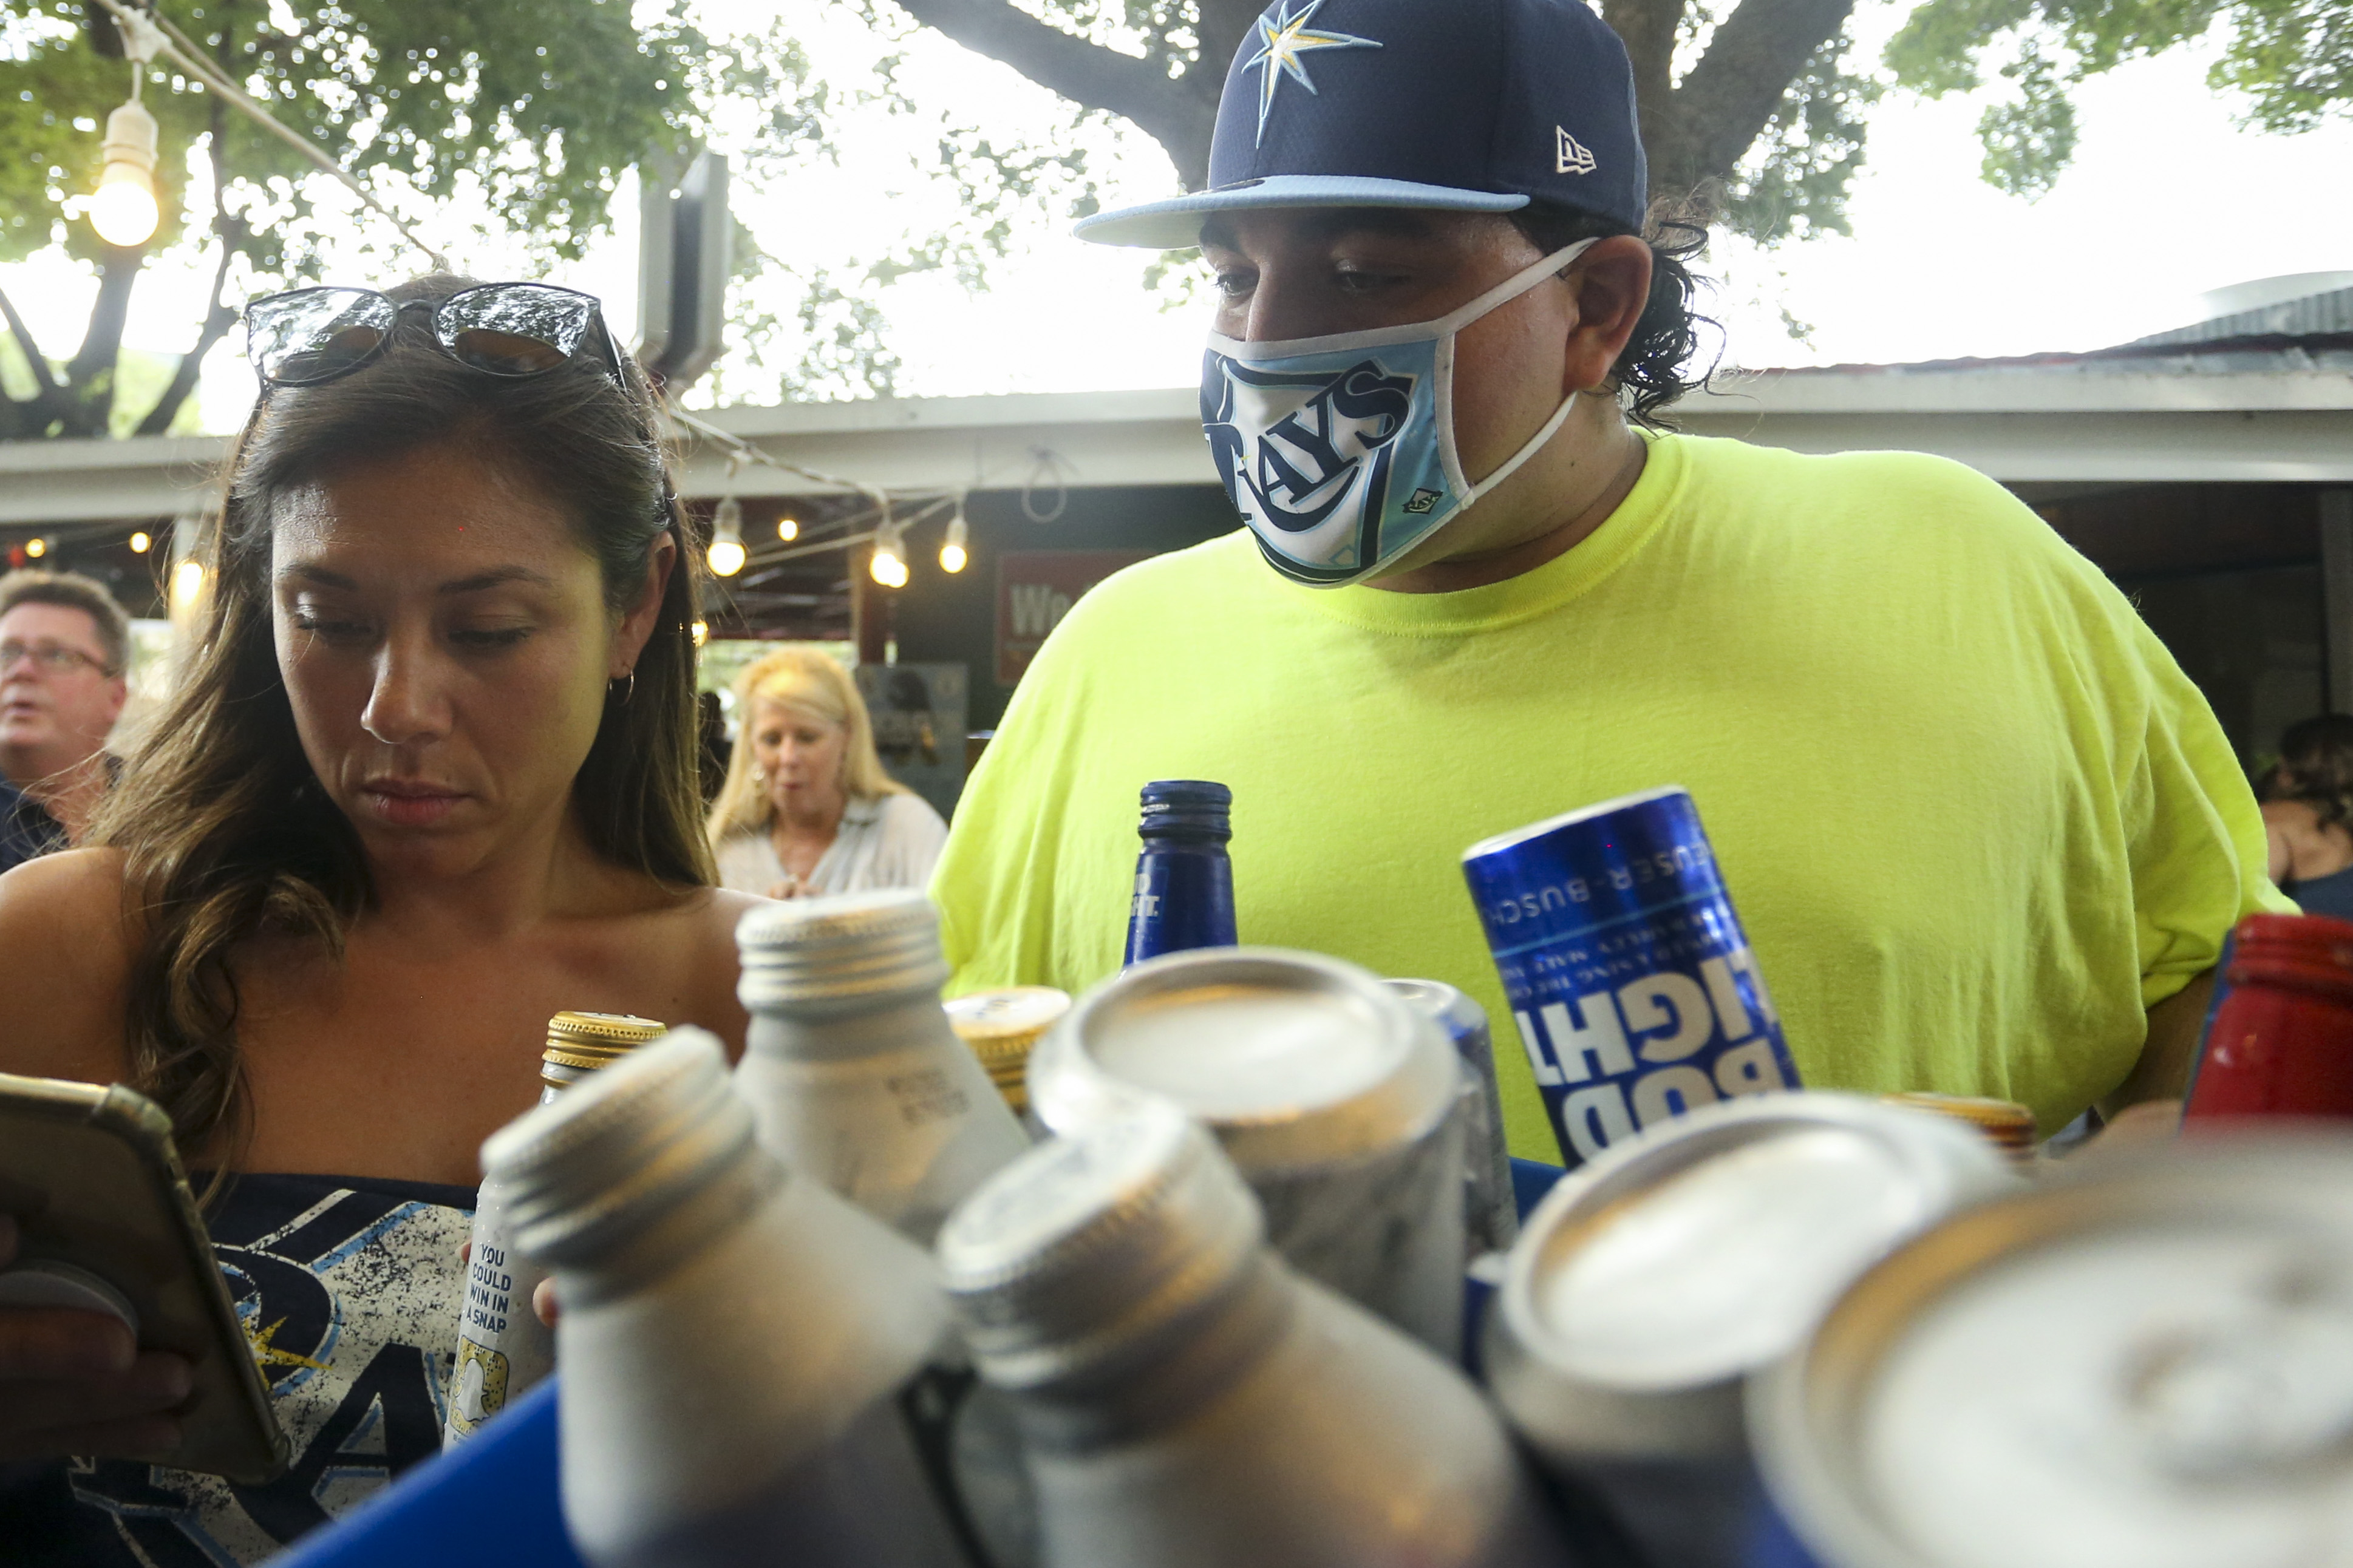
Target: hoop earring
x=628, y=690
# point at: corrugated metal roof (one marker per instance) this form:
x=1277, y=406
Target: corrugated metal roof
x=2314, y=315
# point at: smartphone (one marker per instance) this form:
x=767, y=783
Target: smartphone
x=107, y=1223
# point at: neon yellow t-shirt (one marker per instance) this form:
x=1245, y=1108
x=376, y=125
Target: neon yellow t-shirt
x=1973, y=816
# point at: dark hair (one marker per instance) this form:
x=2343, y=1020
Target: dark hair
x=1666, y=337
x=2316, y=767
x=72, y=591
x=225, y=831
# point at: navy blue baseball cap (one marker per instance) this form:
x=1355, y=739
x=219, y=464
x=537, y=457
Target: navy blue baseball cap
x=1458, y=105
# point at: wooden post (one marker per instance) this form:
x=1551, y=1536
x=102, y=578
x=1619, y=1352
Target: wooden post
x=870, y=609
x=2337, y=594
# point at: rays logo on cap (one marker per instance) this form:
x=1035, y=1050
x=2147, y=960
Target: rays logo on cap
x=1307, y=453
x=1281, y=39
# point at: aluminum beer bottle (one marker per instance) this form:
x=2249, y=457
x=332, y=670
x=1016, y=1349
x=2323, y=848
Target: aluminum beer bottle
x=2280, y=1042
x=1184, y=879
x=503, y=1347
x=852, y=1069
x=1651, y=1283
x=1186, y=1401
x=740, y=1346
x=1626, y=969
x=2144, y=1359
x=1491, y=1213
x=1340, y=1104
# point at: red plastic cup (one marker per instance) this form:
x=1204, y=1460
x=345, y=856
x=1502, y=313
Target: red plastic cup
x=2281, y=1044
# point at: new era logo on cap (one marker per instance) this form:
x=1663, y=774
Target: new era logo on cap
x=1570, y=156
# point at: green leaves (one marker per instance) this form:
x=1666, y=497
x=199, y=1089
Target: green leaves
x=2292, y=61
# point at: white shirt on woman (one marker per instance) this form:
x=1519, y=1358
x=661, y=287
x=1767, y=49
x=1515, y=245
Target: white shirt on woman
x=884, y=841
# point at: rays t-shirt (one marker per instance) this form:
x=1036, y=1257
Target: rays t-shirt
x=1974, y=817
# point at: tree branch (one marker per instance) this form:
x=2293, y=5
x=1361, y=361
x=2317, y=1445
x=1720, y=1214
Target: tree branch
x=219, y=320
x=49, y=394
x=218, y=317
x=1648, y=27
x=1085, y=73
x=90, y=373
x=1724, y=102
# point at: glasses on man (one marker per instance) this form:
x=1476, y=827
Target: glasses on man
x=304, y=337
x=55, y=658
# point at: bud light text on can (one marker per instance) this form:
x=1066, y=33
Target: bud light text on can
x=1184, y=879
x=1625, y=968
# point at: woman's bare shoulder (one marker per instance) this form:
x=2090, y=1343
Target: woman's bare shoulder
x=66, y=944
x=712, y=966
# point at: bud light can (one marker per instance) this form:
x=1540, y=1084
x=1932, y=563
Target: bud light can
x=1626, y=969
x=1184, y=879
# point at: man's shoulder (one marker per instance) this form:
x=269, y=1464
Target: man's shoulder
x=1911, y=504
x=1162, y=582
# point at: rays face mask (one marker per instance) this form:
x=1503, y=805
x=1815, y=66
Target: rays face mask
x=1339, y=451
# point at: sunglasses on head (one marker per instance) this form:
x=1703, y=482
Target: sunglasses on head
x=307, y=336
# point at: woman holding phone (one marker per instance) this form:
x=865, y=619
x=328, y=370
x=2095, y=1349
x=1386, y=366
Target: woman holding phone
x=430, y=778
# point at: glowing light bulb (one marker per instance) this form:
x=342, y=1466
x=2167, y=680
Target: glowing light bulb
x=36, y=548
x=889, y=566
x=727, y=554
x=954, y=552
x=141, y=543
x=788, y=528
x=187, y=584
x=124, y=210
x=701, y=632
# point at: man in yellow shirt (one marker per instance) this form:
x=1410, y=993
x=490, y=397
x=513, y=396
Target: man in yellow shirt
x=1985, y=836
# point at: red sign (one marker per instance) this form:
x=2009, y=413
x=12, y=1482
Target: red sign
x=1034, y=589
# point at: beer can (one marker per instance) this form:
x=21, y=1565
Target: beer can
x=1003, y=1026
x=1492, y=1215
x=1340, y=1104
x=503, y=1347
x=1626, y=971
x=2277, y=1043
x=2144, y=1359
x=1654, y=1280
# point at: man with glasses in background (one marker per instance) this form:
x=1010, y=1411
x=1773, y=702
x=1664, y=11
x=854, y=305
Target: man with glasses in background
x=65, y=646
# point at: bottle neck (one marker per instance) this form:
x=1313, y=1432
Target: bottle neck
x=913, y=1016
x=1152, y=1384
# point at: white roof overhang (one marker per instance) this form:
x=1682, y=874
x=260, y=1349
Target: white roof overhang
x=2283, y=417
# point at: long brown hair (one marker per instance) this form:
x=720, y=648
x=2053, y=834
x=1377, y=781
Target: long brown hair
x=225, y=831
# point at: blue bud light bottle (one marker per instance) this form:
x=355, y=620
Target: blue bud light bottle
x=1184, y=881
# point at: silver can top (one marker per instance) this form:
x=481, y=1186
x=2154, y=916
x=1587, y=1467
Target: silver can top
x=593, y=1167
x=846, y=954
x=2144, y=1360
x=1091, y=1241
x=1650, y=1281
x=1296, y=1060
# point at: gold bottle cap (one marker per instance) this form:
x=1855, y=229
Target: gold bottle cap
x=2007, y=1123
x=1001, y=1025
x=584, y=1042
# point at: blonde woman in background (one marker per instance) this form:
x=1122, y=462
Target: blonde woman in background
x=807, y=807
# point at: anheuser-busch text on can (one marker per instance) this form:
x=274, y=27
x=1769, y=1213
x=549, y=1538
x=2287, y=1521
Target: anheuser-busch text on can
x=1626, y=968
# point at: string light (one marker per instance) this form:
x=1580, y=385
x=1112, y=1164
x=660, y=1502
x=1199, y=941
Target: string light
x=701, y=632
x=788, y=528
x=187, y=584
x=141, y=543
x=36, y=548
x=124, y=211
x=954, y=550
x=889, y=566
x=727, y=554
